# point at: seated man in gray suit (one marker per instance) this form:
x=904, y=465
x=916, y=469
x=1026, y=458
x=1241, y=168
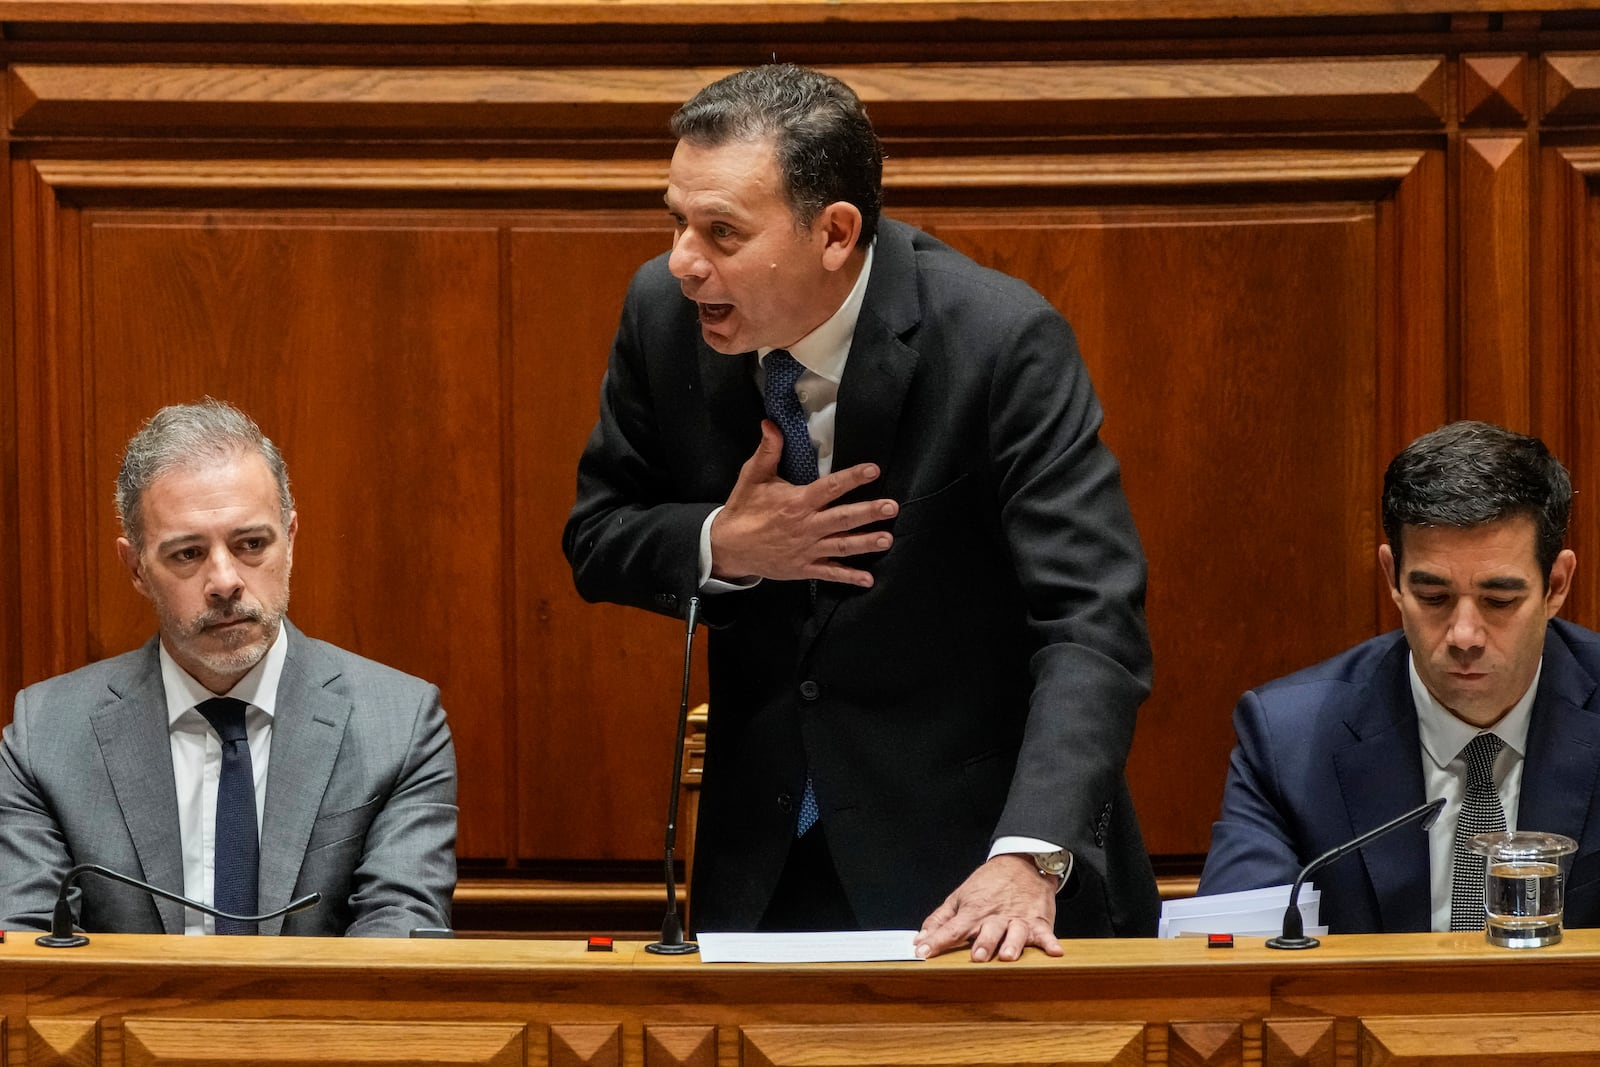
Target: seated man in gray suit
x=233, y=759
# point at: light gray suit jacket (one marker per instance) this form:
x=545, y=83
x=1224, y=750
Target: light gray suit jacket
x=361, y=797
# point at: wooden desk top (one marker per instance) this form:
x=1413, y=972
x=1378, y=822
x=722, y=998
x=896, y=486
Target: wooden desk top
x=1185, y=956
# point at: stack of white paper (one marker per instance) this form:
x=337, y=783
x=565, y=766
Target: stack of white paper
x=1250, y=913
x=834, y=946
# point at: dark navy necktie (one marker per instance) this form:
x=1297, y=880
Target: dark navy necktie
x=798, y=467
x=236, y=851
x=799, y=463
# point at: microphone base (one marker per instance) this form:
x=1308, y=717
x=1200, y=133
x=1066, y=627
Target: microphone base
x=65, y=941
x=681, y=948
x=1292, y=942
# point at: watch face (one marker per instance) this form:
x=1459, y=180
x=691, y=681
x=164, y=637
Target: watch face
x=1051, y=862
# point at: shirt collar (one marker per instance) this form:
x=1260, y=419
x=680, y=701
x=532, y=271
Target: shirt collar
x=1444, y=736
x=258, y=688
x=823, y=351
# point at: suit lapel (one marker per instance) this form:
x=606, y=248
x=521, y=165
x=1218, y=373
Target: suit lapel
x=1380, y=777
x=1563, y=758
x=880, y=368
x=734, y=404
x=307, y=730
x=136, y=747
x=872, y=392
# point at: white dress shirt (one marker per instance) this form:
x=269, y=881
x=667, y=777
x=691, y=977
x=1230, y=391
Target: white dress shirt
x=197, y=763
x=1444, y=774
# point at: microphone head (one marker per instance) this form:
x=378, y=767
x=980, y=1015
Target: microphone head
x=1433, y=814
x=310, y=900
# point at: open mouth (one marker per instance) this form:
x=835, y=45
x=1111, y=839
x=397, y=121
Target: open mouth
x=712, y=314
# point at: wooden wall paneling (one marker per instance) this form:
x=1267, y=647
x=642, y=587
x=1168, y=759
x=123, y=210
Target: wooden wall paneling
x=1416, y=386
x=10, y=497
x=1496, y=316
x=1494, y=90
x=50, y=431
x=1568, y=358
x=1571, y=84
x=369, y=350
x=597, y=737
x=1222, y=406
x=288, y=316
x=436, y=15
x=987, y=100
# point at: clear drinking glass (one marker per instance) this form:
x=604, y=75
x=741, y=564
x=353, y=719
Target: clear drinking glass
x=1524, y=885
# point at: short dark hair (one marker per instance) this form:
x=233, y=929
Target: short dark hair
x=1467, y=474
x=827, y=149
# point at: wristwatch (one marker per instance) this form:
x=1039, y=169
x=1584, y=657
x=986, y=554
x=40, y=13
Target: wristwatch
x=1057, y=864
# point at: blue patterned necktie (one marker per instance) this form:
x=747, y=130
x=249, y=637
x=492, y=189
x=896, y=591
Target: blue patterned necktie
x=1481, y=812
x=236, y=849
x=798, y=466
x=799, y=463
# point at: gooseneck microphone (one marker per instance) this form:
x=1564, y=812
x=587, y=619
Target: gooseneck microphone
x=61, y=935
x=1294, y=930
x=672, y=942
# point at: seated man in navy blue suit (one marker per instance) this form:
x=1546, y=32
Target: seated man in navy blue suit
x=1475, y=518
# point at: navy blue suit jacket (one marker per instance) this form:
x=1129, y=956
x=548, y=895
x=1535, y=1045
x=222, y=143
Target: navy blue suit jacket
x=1332, y=751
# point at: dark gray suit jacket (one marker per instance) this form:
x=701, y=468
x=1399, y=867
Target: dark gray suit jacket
x=987, y=685
x=361, y=797
x=1332, y=751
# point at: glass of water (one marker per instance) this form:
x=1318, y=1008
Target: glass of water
x=1523, y=886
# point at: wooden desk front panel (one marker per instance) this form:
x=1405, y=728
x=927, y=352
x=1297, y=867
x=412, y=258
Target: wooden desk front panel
x=1414, y=999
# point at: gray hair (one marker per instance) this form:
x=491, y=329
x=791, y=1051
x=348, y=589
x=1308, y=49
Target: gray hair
x=182, y=436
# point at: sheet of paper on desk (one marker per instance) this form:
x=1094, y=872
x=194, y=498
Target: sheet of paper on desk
x=1248, y=913
x=834, y=946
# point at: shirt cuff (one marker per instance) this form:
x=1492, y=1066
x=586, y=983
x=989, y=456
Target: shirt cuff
x=1027, y=846
x=709, y=584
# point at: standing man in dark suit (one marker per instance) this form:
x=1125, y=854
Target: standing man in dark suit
x=1485, y=699
x=923, y=581
x=232, y=759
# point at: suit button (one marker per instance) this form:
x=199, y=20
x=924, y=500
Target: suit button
x=810, y=690
x=785, y=803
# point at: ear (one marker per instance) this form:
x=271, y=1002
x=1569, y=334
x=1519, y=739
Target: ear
x=1560, y=583
x=1386, y=565
x=840, y=225
x=289, y=532
x=130, y=559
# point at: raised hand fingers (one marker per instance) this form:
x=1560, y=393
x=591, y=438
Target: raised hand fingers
x=836, y=484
